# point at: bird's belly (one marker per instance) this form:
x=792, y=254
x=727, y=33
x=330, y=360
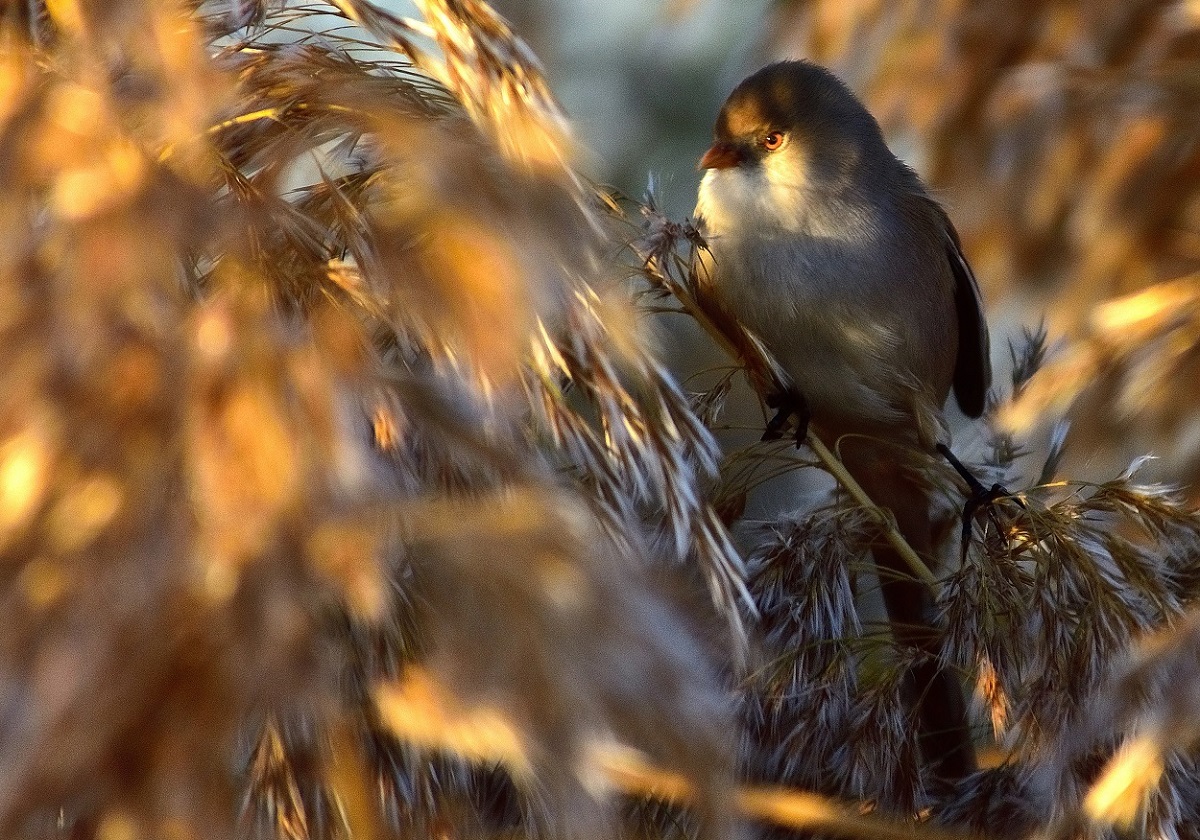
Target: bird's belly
x=836, y=362
x=842, y=349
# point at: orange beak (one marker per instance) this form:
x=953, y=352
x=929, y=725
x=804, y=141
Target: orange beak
x=721, y=156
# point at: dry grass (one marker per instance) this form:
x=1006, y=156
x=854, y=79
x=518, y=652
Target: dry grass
x=315, y=373
x=341, y=494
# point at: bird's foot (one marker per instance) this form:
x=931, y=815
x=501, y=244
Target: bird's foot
x=787, y=404
x=978, y=496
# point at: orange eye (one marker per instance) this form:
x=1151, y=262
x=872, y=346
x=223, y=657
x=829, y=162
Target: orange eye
x=773, y=141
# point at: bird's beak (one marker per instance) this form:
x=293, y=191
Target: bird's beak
x=721, y=156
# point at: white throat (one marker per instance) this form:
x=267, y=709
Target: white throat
x=744, y=199
x=778, y=198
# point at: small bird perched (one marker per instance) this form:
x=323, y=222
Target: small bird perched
x=829, y=250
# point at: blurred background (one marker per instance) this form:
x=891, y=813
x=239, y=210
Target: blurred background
x=1063, y=138
x=325, y=420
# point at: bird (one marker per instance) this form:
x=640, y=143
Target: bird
x=830, y=251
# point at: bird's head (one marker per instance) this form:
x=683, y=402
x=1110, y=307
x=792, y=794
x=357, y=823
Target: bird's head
x=789, y=136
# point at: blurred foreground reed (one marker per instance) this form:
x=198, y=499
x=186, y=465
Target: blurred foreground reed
x=343, y=495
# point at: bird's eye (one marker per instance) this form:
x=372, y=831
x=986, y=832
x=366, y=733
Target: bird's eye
x=773, y=141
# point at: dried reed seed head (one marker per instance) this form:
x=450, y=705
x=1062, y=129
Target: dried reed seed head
x=583, y=644
x=500, y=84
x=480, y=255
x=206, y=450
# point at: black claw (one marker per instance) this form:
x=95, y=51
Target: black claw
x=776, y=425
x=973, y=484
x=802, y=419
x=789, y=404
x=978, y=497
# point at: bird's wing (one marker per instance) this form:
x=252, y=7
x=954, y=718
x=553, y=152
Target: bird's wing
x=973, y=366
